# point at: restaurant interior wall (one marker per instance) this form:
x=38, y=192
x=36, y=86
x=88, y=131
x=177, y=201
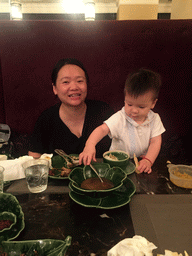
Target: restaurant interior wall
x=109, y=50
x=137, y=10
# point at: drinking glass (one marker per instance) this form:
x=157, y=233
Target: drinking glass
x=36, y=173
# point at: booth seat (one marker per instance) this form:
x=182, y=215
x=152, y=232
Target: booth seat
x=109, y=50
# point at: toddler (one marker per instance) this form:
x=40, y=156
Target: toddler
x=135, y=128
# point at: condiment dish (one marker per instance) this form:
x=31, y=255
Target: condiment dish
x=114, y=174
x=116, y=158
x=180, y=175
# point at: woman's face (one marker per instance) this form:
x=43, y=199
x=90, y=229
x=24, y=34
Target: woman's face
x=71, y=85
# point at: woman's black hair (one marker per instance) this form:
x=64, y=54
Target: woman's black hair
x=64, y=62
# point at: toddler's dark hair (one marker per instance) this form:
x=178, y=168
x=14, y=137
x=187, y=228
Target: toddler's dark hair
x=142, y=81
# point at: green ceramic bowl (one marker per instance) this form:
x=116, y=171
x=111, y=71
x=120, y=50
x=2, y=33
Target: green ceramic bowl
x=114, y=199
x=123, y=158
x=45, y=247
x=9, y=203
x=10, y=217
x=115, y=174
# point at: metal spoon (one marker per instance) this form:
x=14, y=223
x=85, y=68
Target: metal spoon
x=96, y=172
x=65, y=156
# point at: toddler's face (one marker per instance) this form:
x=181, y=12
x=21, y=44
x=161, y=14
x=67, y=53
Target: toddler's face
x=138, y=108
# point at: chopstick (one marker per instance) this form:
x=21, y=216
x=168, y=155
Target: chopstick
x=136, y=163
x=96, y=172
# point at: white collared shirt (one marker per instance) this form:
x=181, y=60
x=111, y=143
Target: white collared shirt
x=129, y=136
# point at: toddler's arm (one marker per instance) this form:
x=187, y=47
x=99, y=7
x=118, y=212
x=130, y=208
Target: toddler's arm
x=152, y=153
x=89, y=151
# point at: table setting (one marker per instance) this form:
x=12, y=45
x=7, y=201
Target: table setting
x=76, y=221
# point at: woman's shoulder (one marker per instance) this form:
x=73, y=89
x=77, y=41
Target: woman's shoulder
x=50, y=112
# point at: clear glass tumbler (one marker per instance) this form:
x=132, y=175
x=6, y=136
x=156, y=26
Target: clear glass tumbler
x=36, y=173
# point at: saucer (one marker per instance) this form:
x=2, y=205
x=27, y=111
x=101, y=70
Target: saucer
x=130, y=168
x=115, y=199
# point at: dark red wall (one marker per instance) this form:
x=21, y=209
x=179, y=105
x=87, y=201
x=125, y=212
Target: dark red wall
x=109, y=51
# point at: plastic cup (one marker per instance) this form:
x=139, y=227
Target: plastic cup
x=36, y=173
x=1, y=179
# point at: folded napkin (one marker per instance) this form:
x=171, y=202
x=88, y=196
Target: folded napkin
x=13, y=168
x=136, y=246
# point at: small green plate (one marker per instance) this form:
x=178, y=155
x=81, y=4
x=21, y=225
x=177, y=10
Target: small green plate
x=57, y=178
x=130, y=168
x=9, y=203
x=44, y=247
x=62, y=178
x=115, y=199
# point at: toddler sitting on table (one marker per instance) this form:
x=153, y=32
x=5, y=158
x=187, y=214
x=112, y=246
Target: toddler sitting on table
x=135, y=128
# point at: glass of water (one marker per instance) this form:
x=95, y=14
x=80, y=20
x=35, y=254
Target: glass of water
x=36, y=173
x=1, y=179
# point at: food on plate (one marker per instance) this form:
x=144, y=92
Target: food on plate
x=183, y=175
x=5, y=224
x=63, y=172
x=74, y=157
x=170, y=253
x=95, y=184
x=60, y=168
x=111, y=157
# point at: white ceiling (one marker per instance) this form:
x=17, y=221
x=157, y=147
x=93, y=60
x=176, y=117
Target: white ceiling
x=58, y=1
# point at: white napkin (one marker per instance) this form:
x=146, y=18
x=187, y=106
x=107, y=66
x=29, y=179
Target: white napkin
x=13, y=168
x=136, y=246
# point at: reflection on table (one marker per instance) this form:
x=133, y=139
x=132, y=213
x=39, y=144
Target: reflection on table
x=53, y=214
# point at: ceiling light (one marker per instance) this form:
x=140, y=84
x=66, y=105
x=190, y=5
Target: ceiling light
x=16, y=11
x=90, y=11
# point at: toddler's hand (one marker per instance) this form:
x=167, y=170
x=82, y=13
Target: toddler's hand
x=87, y=155
x=144, y=166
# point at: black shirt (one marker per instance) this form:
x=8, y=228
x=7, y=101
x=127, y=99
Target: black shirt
x=51, y=133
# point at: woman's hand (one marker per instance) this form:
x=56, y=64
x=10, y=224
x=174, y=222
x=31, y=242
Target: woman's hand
x=87, y=155
x=144, y=166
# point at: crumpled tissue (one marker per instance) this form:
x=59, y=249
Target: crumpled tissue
x=13, y=168
x=136, y=246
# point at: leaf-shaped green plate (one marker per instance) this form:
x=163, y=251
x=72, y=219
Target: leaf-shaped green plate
x=115, y=174
x=45, y=247
x=9, y=203
x=114, y=199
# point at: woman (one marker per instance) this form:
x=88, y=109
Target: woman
x=67, y=125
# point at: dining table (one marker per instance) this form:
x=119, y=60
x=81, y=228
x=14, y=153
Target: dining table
x=157, y=210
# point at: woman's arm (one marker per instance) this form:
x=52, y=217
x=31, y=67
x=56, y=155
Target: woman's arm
x=34, y=154
x=89, y=151
x=152, y=153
